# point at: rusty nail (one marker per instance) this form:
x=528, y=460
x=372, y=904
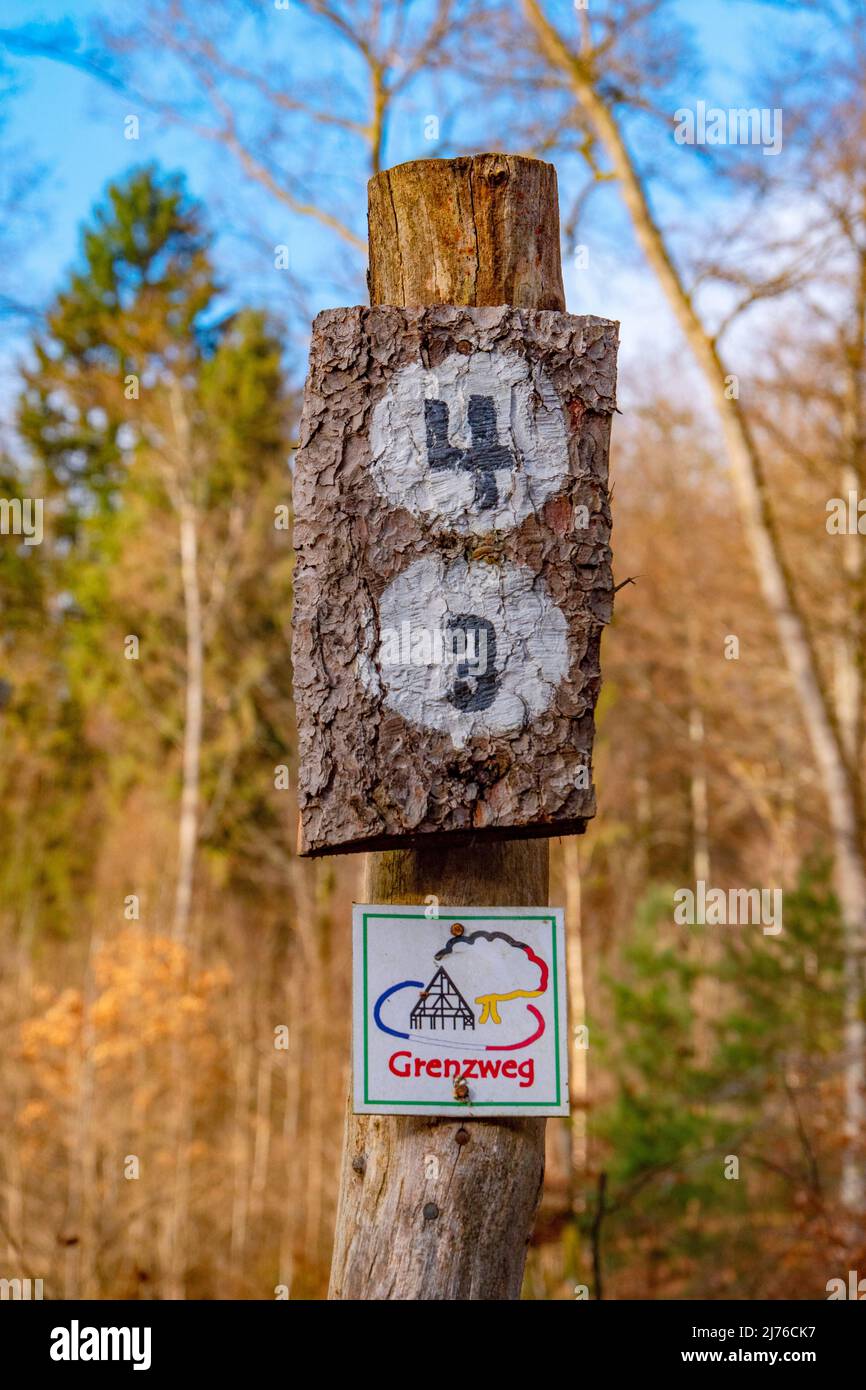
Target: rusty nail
x=461, y=1090
x=359, y=1163
x=457, y=929
x=431, y=1211
x=462, y=1136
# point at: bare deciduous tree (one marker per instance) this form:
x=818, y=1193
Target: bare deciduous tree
x=603, y=92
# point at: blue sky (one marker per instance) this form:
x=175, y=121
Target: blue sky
x=72, y=127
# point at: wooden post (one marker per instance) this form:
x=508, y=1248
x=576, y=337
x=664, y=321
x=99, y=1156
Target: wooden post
x=432, y=1208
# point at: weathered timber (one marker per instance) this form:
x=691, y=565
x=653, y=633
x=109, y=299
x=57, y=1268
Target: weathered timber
x=394, y=745
x=483, y=229
x=488, y=1189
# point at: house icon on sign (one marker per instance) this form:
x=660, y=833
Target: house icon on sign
x=441, y=1003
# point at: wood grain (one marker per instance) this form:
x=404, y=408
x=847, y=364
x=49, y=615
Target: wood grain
x=479, y=230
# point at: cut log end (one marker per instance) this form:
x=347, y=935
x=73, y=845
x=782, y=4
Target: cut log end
x=478, y=230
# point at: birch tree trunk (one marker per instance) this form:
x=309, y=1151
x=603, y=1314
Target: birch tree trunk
x=192, y=732
x=849, y=709
x=840, y=777
x=432, y=1208
x=851, y=656
x=578, y=1050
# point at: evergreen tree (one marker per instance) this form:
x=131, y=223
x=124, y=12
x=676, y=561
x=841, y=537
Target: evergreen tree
x=159, y=428
x=762, y=1088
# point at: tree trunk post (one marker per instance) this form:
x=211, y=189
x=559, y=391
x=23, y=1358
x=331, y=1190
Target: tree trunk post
x=431, y=1208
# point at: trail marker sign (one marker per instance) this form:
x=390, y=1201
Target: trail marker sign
x=453, y=573
x=460, y=1014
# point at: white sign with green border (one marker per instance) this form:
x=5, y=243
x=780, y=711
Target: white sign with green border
x=461, y=1013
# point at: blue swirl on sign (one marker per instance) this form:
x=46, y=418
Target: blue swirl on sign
x=377, y=1017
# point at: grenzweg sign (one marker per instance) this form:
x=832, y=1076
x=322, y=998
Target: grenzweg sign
x=464, y=1013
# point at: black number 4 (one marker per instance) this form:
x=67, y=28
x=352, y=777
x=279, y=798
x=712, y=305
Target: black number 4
x=484, y=455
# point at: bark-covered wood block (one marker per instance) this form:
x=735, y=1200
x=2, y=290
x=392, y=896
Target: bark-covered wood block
x=453, y=573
